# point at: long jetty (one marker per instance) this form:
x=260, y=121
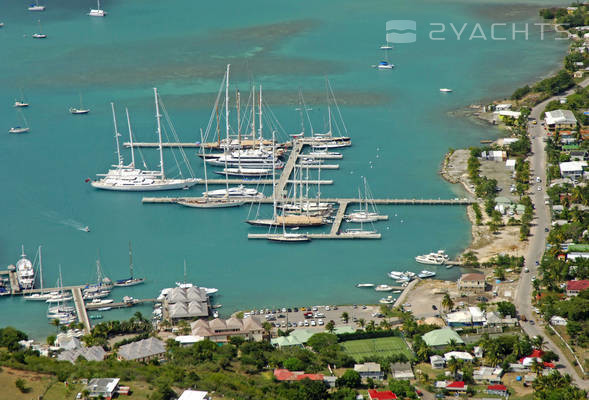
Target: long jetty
x=81, y=309
x=287, y=170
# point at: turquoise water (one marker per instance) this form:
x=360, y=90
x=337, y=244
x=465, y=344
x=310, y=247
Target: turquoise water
x=398, y=120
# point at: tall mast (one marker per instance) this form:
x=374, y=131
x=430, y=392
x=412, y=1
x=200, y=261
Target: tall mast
x=204, y=161
x=238, y=118
x=114, y=119
x=41, y=268
x=260, y=115
x=328, y=105
x=274, y=177
x=227, y=130
x=254, y=114
x=159, y=131
x=218, y=131
x=130, y=260
x=130, y=138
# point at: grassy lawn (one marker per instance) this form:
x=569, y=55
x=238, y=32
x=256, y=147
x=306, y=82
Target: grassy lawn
x=381, y=347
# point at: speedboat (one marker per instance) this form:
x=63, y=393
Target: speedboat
x=86, y=229
x=396, y=275
x=77, y=111
x=101, y=301
x=19, y=103
x=387, y=300
x=386, y=46
x=365, y=285
x=426, y=274
x=39, y=36
x=438, y=258
x=445, y=90
x=18, y=129
x=384, y=288
x=385, y=65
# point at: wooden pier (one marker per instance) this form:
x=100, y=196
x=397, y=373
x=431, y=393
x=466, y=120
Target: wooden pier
x=287, y=170
x=81, y=309
x=339, y=217
x=14, y=286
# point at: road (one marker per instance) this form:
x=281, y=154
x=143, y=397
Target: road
x=523, y=297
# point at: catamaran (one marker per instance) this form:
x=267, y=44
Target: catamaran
x=98, y=12
x=131, y=179
x=131, y=281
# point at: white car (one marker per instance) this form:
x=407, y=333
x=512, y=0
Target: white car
x=539, y=188
x=320, y=322
x=313, y=323
x=327, y=308
x=306, y=323
x=314, y=308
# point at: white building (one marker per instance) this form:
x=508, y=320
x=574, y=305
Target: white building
x=572, y=169
x=560, y=119
x=459, y=355
x=194, y=395
x=510, y=164
x=556, y=320
x=503, y=107
x=437, y=362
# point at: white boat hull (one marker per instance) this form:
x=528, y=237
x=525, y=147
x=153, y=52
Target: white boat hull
x=212, y=203
x=170, y=184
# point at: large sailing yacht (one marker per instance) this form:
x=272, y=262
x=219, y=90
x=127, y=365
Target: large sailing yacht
x=129, y=178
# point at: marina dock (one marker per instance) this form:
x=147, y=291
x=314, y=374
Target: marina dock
x=287, y=170
x=81, y=309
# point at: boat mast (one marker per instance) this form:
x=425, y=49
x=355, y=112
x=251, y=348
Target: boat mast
x=130, y=138
x=260, y=121
x=274, y=177
x=227, y=130
x=204, y=161
x=130, y=260
x=114, y=119
x=159, y=132
x=238, y=119
x=41, y=268
x=254, y=114
x=328, y=107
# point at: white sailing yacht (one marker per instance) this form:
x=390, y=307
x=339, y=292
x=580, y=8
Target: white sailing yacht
x=18, y=128
x=327, y=140
x=98, y=12
x=39, y=296
x=39, y=35
x=131, y=179
x=364, y=214
x=211, y=202
x=81, y=110
x=22, y=102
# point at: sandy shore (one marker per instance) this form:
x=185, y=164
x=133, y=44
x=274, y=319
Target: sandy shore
x=484, y=243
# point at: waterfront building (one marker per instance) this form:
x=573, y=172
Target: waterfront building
x=472, y=282
x=369, y=370
x=220, y=331
x=186, y=303
x=459, y=355
x=560, y=119
x=104, y=388
x=144, y=350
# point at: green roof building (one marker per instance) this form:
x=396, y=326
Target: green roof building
x=298, y=337
x=441, y=337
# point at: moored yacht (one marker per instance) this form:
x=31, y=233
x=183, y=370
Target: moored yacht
x=426, y=274
x=384, y=288
x=98, y=12
x=24, y=272
x=438, y=258
x=289, y=237
x=365, y=285
x=238, y=191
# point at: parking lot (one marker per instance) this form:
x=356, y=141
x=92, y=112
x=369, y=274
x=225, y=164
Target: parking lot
x=317, y=316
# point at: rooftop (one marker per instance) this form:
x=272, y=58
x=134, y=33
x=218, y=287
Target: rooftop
x=441, y=337
x=560, y=117
x=381, y=395
x=472, y=277
x=578, y=285
x=142, y=349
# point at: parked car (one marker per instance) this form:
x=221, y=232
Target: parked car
x=434, y=307
x=320, y=322
x=313, y=323
x=295, y=309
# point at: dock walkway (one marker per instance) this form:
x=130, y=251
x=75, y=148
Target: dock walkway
x=288, y=168
x=337, y=222
x=81, y=309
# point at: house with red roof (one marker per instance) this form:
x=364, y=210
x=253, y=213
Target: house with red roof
x=500, y=390
x=282, y=374
x=528, y=361
x=381, y=395
x=457, y=386
x=575, y=287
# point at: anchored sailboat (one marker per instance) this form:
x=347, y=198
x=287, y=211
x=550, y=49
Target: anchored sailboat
x=39, y=296
x=364, y=214
x=98, y=12
x=81, y=110
x=131, y=179
x=20, y=129
x=39, y=35
x=131, y=281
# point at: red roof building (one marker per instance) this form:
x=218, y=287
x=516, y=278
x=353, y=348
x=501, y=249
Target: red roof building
x=286, y=375
x=575, y=287
x=383, y=395
x=313, y=377
x=497, y=389
x=457, y=386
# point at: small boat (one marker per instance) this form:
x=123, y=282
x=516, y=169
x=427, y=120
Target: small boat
x=19, y=129
x=384, y=288
x=387, y=300
x=445, y=90
x=101, y=301
x=1, y=24
x=426, y=274
x=96, y=316
x=386, y=46
x=36, y=7
x=396, y=275
x=365, y=285
x=18, y=103
x=205, y=202
x=104, y=308
x=86, y=229
x=98, y=12
x=384, y=65
x=438, y=258
x=397, y=291
x=289, y=237
x=79, y=111
x=39, y=35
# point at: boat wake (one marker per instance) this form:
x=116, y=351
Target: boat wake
x=69, y=222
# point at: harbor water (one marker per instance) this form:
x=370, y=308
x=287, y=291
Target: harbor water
x=400, y=124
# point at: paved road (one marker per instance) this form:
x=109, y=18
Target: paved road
x=537, y=244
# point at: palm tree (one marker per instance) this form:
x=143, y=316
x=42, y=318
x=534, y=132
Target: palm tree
x=55, y=323
x=500, y=273
x=330, y=326
x=453, y=366
x=447, y=302
x=423, y=352
x=362, y=322
x=371, y=326
x=345, y=317
x=385, y=325
x=538, y=342
x=267, y=328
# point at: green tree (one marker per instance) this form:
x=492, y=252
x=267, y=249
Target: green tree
x=447, y=302
x=350, y=379
x=330, y=326
x=345, y=317
x=21, y=385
